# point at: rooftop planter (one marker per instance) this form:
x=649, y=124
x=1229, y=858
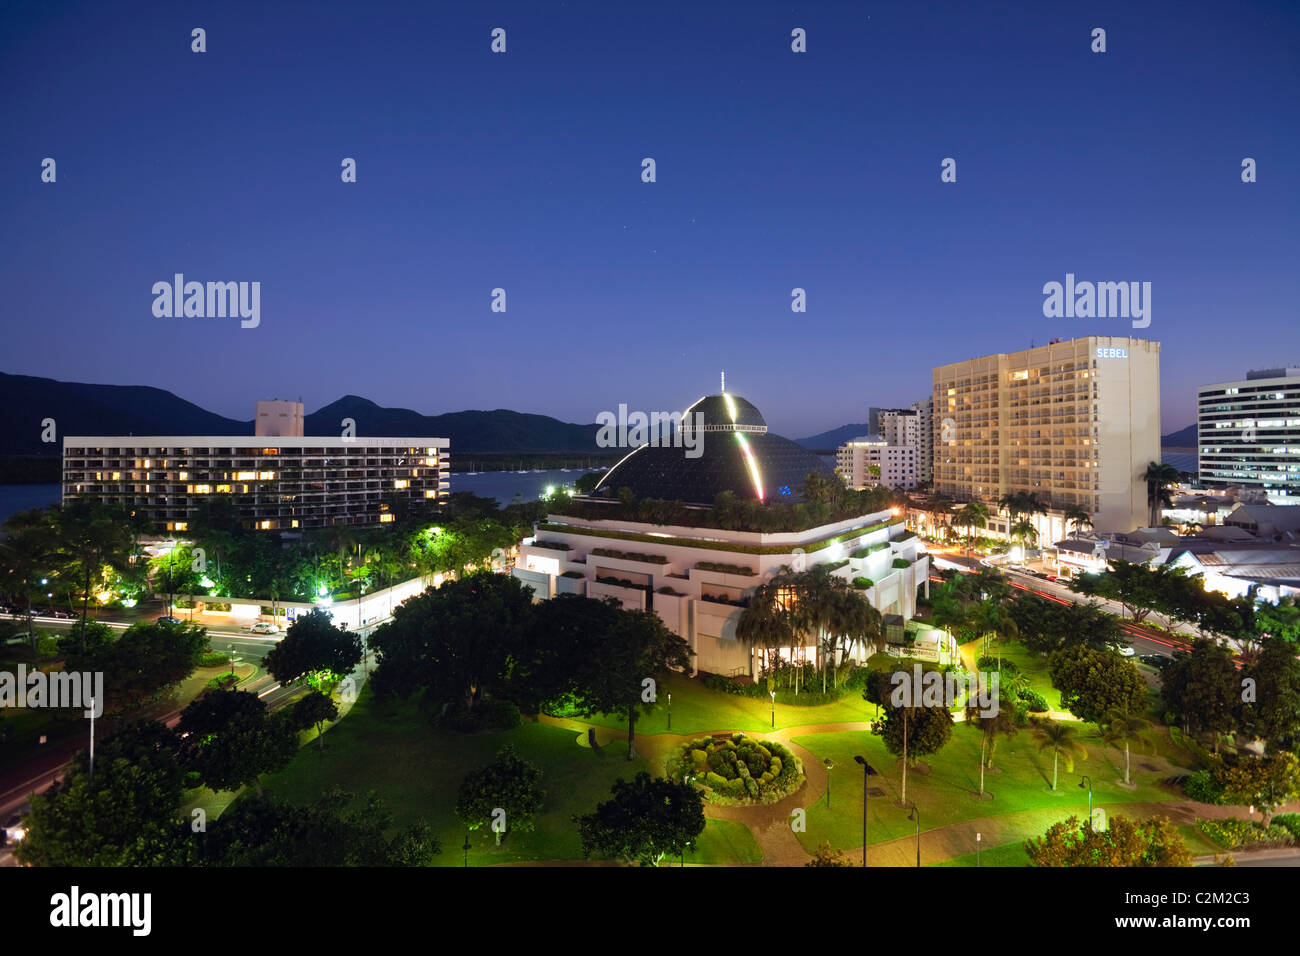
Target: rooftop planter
x=863, y=584
x=870, y=549
x=552, y=545
x=728, y=546
x=630, y=555
x=572, y=574
x=721, y=568
x=902, y=563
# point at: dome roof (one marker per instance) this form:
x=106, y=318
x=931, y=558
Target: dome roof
x=737, y=454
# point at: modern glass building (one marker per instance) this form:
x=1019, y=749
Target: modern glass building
x=1248, y=433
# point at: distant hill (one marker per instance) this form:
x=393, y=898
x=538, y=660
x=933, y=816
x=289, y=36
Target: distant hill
x=829, y=441
x=1183, y=438
x=469, y=431
x=83, y=409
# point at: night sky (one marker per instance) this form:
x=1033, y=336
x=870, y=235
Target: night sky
x=523, y=171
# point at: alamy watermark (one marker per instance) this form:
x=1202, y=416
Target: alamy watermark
x=212, y=300
x=933, y=689
x=656, y=429
x=1101, y=300
x=61, y=689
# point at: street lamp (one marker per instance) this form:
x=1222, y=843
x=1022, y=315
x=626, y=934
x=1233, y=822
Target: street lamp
x=1088, y=784
x=915, y=814
x=829, y=767
x=978, y=839
x=867, y=771
x=466, y=848
x=773, y=693
x=670, y=711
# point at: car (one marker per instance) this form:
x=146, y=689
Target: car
x=168, y=619
x=1124, y=650
x=263, y=627
x=1158, y=661
x=13, y=829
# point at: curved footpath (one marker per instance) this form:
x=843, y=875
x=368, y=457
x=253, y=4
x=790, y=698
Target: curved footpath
x=770, y=823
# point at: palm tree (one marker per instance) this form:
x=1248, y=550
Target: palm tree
x=1120, y=728
x=1158, y=478
x=973, y=515
x=1078, y=518
x=1023, y=531
x=990, y=726
x=92, y=537
x=1059, y=739
x=764, y=623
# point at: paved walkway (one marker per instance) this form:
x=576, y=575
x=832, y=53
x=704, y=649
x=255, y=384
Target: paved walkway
x=770, y=823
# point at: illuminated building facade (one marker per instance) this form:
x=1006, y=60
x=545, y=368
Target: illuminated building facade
x=274, y=483
x=698, y=579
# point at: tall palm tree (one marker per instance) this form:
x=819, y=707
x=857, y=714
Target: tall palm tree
x=764, y=623
x=1059, y=739
x=1024, y=531
x=92, y=537
x=1077, y=518
x=973, y=515
x=1159, y=477
x=1120, y=728
x=1003, y=722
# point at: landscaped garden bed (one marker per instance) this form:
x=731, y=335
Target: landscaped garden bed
x=737, y=770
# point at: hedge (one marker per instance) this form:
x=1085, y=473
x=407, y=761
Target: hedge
x=1234, y=834
x=737, y=770
x=630, y=555
x=808, y=548
x=721, y=568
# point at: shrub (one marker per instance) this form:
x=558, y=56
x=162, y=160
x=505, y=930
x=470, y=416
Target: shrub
x=222, y=681
x=1203, y=787
x=572, y=574
x=193, y=780
x=1234, y=834
x=1290, y=822
x=723, y=684
x=721, y=568
x=740, y=770
x=630, y=555
x=668, y=590
x=211, y=659
x=1034, y=701
x=490, y=714
x=902, y=563
x=989, y=663
x=863, y=583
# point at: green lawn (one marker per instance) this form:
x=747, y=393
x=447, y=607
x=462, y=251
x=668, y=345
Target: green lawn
x=1032, y=665
x=946, y=795
x=697, y=710
x=725, y=841
x=1008, y=854
x=417, y=771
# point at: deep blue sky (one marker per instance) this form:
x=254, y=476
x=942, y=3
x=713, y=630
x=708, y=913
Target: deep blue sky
x=522, y=170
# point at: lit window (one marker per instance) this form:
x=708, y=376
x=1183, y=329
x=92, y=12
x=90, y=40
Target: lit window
x=400, y=483
x=245, y=475
x=433, y=494
x=223, y=489
x=183, y=476
x=385, y=518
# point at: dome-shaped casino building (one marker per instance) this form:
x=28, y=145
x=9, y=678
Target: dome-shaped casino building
x=699, y=578
x=721, y=444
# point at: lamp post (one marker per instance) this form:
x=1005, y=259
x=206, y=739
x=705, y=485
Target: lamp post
x=92, y=740
x=867, y=771
x=1087, y=782
x=466, y=848
x=979, y=837
x=670, y=716
x=829, y=767
x=915, y=814
x=773, y=693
